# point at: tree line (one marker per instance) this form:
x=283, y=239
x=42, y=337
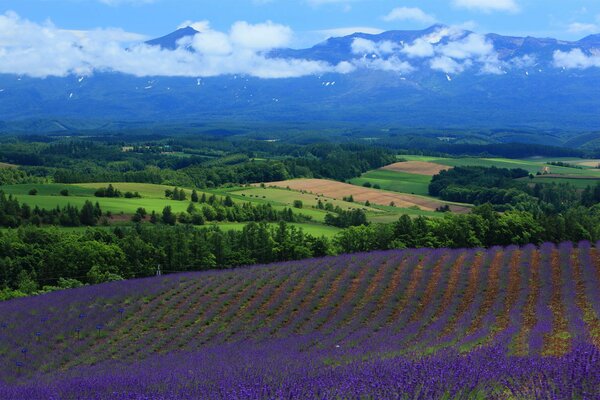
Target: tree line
x=510, y=189
x=35, y=259
x=14, y=214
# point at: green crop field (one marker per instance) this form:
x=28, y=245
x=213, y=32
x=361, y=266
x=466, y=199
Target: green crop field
x=401, y=182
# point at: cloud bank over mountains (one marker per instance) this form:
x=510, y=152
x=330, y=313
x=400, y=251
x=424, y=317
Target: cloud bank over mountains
x=42, y=50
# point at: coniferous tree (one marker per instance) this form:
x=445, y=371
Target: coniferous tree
x=87, y=216
x=168, y=217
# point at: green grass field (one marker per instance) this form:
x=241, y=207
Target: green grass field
x=577, y=182
x=311, y=229
x=153, y=196
x=401, y=182
x=286, y=198
x=153, y=199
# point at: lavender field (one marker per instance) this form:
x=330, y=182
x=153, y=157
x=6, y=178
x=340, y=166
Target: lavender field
x=504, y=323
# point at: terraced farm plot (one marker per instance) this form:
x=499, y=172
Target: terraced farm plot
x=338, y=190
x=516, y=322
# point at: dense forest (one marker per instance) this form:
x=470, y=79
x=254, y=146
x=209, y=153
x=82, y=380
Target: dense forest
x=77, y=161
x=508, y=189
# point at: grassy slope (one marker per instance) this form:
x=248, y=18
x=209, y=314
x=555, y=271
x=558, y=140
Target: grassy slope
x=153, y=200
x=401, y=182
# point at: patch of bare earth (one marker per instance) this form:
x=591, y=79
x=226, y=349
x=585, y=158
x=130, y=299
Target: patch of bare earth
x=339, y=190
x=417, y=167
x=590, y=163
x=6, y=165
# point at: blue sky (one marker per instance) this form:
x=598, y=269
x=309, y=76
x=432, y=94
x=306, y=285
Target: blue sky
x=311, y=20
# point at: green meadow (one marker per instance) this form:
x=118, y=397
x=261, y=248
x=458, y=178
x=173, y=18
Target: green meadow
x=401, y=182
x=311, y=229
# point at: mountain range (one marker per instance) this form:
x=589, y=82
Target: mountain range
x=441, y=77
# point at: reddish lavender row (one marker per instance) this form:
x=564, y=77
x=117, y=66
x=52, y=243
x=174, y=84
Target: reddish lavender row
x=399, y=324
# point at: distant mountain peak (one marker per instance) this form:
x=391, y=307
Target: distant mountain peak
x=170, y=41
x=591, y=40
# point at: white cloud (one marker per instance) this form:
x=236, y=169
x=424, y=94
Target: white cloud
x=488, y=5
x=576, y=59
x=200, y=26
x=420, y=48
x=27, y=48
x=526, y=61
x=473, y=45
x=579, y=27
x=449, y=49
x=392, y=64
x=260, y=36
x=448, y=65
x=363, y=46
x=409, y=14
x=212, y=43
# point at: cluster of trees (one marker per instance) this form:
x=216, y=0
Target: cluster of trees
x=111, y=191
x=475, y=178
x=14, y=214
x=506, y=190
x=222, y=212
x=14, y=176
x=36, y=260
x=484, y=227
x=346, y=218
x=590, y=195
x=177, y=194
x=564, y=164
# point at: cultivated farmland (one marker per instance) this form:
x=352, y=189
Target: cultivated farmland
x=516, y=322
x=338, y=190
x=417, y=167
